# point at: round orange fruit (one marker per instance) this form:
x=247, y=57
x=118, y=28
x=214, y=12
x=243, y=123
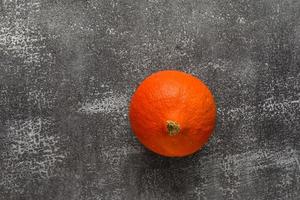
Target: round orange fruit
x=172, y=113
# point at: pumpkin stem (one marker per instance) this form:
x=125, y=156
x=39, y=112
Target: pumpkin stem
x=173, y=128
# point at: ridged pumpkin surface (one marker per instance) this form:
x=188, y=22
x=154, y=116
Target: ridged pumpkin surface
x=172, y=113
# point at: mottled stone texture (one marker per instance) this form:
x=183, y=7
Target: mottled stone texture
x=69, y=67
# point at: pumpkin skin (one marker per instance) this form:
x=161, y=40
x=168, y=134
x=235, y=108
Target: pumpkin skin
x=172, y=113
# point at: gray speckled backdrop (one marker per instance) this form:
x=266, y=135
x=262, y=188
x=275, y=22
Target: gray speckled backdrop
x=69, y=67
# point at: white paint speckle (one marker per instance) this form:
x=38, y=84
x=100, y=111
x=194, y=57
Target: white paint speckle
x=252, y=161
x=24, y=39
x=270, y=108
x=32, y=149
x=111, y=103
x=111, y=31
x=241, y=20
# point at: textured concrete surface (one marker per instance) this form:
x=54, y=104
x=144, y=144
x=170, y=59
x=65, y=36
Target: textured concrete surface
x=69, y=67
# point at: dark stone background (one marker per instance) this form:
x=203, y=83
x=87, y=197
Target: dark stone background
x=68, y=69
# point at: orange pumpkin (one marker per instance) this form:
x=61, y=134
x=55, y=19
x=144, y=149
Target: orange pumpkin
x=172, y=113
